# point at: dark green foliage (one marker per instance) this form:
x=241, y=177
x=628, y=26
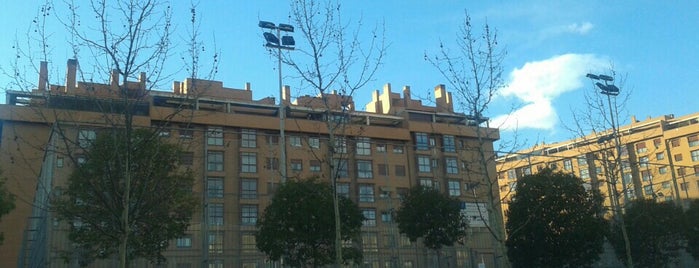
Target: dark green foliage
x=553, y=221
x=426, y=213
x=7, y=203
x=655, y=233
x=161, y=199
x=299, y=225
x=692, y=229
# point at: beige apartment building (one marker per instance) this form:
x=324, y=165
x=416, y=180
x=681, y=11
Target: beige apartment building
x=659, y=159
x=231, y=142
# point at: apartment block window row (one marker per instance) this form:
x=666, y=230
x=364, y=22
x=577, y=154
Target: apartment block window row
x=364, y=169
x=214, y=136
x=215, y=211
x=248, y=214
x=448, y=144
x=451, y=165
x=248, y=162
x=366, y=193
x=248, y=138
x=454, y=188
x=363, y=146
x=214, y=161
x=214, y=187
x=248, y=189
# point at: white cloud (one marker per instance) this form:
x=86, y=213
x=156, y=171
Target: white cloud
x=582, y=28
x=537, y=84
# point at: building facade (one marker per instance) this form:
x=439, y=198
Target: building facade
x=231, y=142
x=659, y=160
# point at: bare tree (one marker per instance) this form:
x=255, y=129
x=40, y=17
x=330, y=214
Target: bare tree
x=475, y=72
x=124, y=41
x=597, y=125
x=333, y=63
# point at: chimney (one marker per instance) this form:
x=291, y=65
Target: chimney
x=71, y=74
x=286, y=98
x=43, y=76
x=406, y=93
x=114, y=78
x=142, y=80
x=247, y=86
x=177, y=87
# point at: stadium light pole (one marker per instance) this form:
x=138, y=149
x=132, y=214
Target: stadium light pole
x=279, y=42
x=608, y=88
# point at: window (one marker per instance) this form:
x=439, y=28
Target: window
x=405, y=241
x=295, y=141
x=582, y=161
x=364, y=169
x=660, y=156
x=628, y=178
x=369, y=217
x=625, y=164
x=382, y=169
x=186, y=133
x=343, y=189
x=296, y=165
x=646, y=176
x=426, y=183
x=272, y=163
x=216, y=242
x=662, y=170
x=684, y=186
x=81, y=160
x=341, y=168
x=164, y=133
x=187, y=158
x=381, y=148
x=315, y=166
x=184, y=242
x=423, y=164
x=370, y=242
x=584, y=173
x=272, y=138
x=680, y=171
x=248, y=162
x=86, y=137
x=693, y=140
x=641, y=147
x=421, y=141
x=665, y=185
x=248, y=138
x=696, y=170
x=527, y=170
x=399, y=170
x=451, y=165
x=675, y=142
x=363, y=146
x=454, y=188
x=648, y=190
x=656, y=143
x=214, y=136
x=678, y=157
x=366, y=193
x=314, y=142
x=215, y=214
x=248, y=189
x=248, y=214
x=248, y=243
x=59, y=162
x=214, y=161
x=511, y=174
x=695, y=155
x=643, y=162
x=567, y=164
x=386, y=216
x=398, y=149
x=448, y=143
x=214, y=187
x=340, y=145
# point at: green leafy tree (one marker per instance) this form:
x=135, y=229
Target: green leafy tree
x=553, y=221
x=692, y=228
x=436, y=218
x=654, y=230
x=299, y=225
x=7, y=203
x=161, y=201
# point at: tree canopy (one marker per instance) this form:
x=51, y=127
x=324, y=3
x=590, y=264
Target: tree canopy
x=299, y=225
x=161, y=200
x=553, y=221
x=7, y=202
x=436, y=218
x=692, y=228
x=655, y=233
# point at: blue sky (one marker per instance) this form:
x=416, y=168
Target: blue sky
x=551, y=45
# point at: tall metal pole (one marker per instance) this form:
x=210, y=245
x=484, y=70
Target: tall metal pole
x=282, y=116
